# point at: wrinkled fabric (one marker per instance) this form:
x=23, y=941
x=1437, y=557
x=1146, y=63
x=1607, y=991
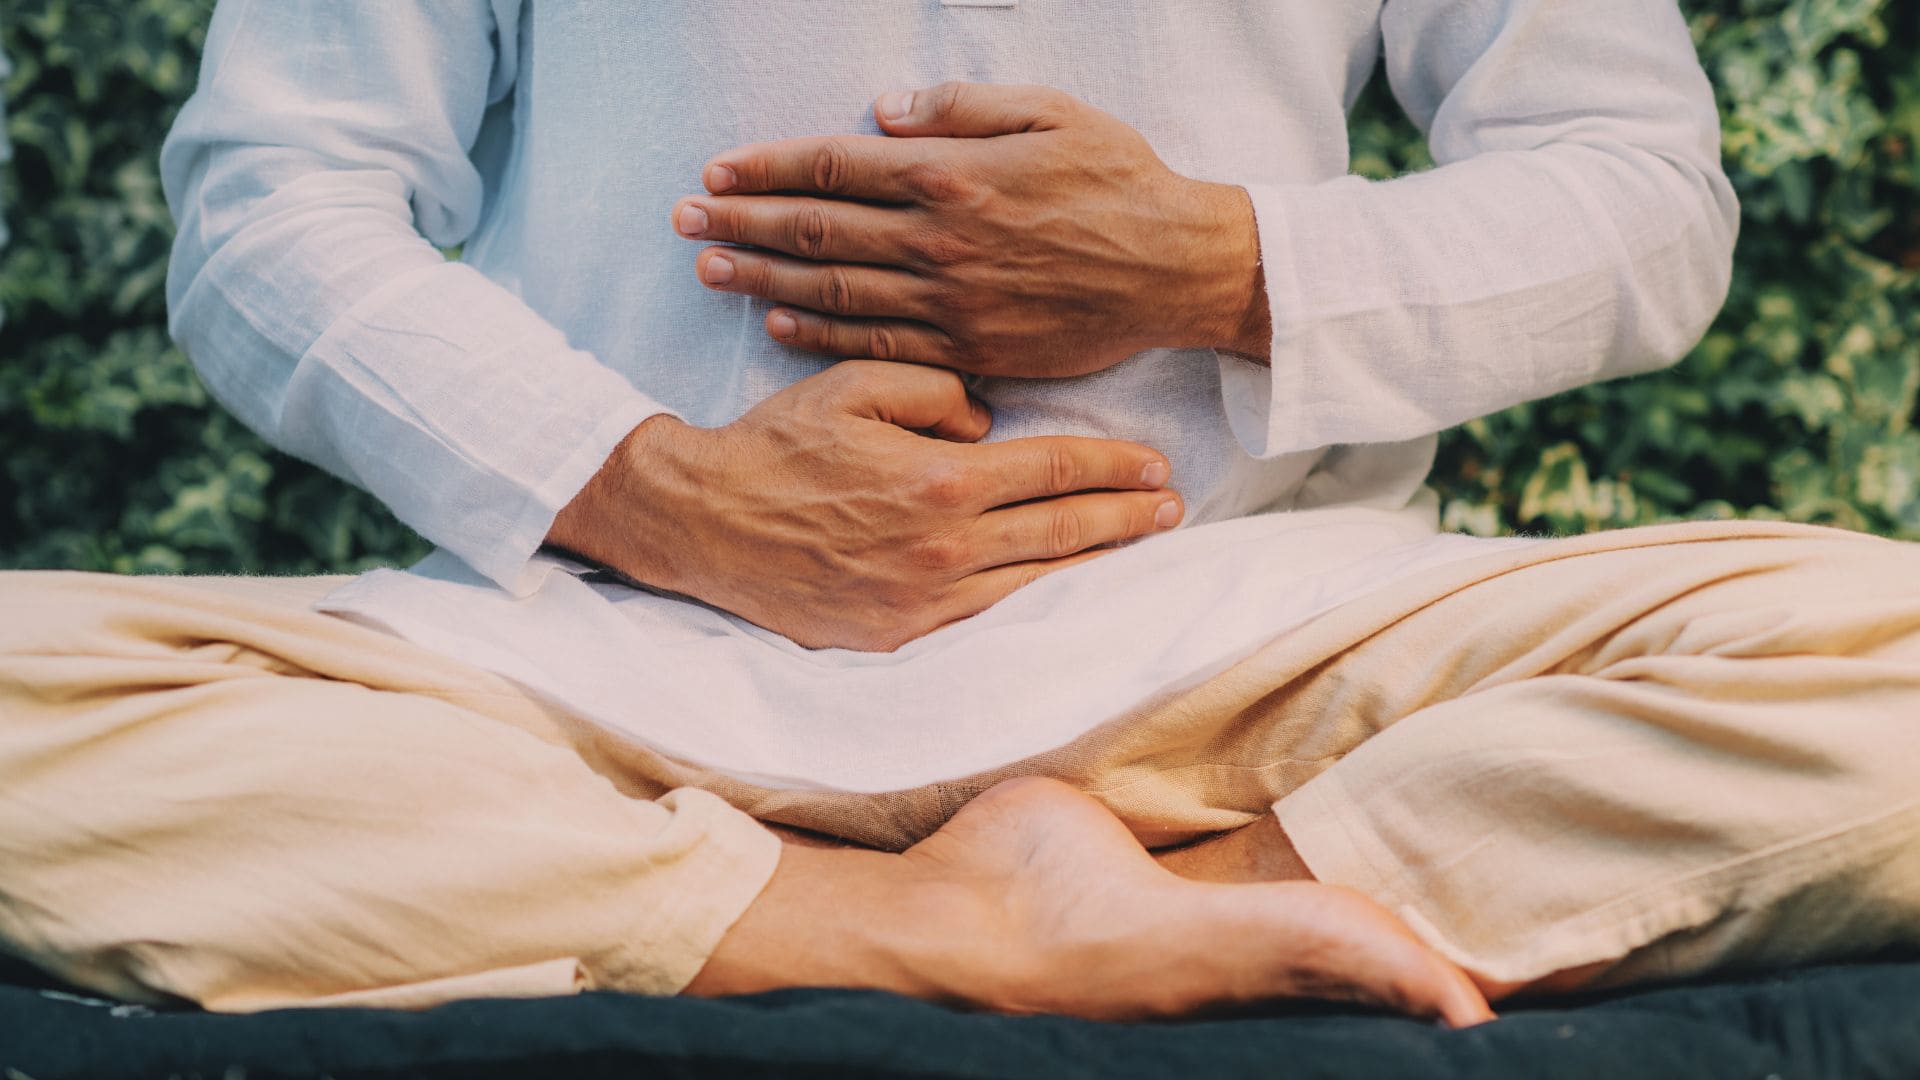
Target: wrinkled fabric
x=1578, y=228
x=1666, y=751
x=1073, y=652
x=210, y=793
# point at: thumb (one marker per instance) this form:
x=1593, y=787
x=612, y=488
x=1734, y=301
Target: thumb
x=912, y=396
x=959, y=110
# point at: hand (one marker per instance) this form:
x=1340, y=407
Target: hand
x=1007, y=230
x=1035, y=899
x=826, y=515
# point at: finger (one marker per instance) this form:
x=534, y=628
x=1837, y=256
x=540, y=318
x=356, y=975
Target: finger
x=978, y=592
x=829, y=288
x=817, y=229
x=1036, y=468
x=963, y=110
x=910, y=396
x=1056, y=528
x=878, y=339
x=843, y=166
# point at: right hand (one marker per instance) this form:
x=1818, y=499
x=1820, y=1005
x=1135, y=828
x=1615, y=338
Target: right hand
x=826, y=515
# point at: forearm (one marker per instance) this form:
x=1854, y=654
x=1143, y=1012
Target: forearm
x=436, y=390
x=1401, y=309
x=308, y=285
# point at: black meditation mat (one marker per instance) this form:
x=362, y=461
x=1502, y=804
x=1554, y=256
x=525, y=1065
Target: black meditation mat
x=1846, y=1022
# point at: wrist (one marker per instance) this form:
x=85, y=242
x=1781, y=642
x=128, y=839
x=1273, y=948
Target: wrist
x=624, y=517
x=1226, y=308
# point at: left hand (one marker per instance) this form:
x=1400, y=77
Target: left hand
x=1003, y=230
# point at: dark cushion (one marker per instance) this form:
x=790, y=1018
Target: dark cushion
x=1848, y=1022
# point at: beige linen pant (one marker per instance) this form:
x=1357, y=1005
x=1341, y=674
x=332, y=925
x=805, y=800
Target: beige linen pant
x=1669, y=750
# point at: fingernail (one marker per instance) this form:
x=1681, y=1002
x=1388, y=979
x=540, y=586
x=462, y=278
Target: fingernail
x=782, y=325
x=896, y=105
x=693, y=220
x=718, y=271
x=1168, y=515
x=1155, y=474
x=720, y=178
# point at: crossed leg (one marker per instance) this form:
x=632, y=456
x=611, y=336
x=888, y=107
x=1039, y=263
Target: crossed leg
x=1629, y=764
x=1684, y=757
x=210, y=793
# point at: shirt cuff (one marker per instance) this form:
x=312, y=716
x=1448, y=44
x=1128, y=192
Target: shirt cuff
x=1264, y=402
x=508, y=559
x=462, y=410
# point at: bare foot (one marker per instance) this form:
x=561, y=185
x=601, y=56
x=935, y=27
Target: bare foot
x=1262, y=852
x=1096, y=928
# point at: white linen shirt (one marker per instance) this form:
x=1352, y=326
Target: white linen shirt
x=1578, y=226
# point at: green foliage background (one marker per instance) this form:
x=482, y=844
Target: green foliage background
x=1800, y=403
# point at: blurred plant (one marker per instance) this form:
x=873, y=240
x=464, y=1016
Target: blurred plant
x=1800, y=403
x=115, y=459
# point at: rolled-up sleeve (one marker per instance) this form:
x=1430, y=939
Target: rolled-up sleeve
x=320, y=167
x=1578, y=227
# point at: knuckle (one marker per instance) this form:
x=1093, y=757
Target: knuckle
x=941, y=554
x=1062, y=472
x=1027, y=575
x=946, y=98
x=1066, y=533
x=812, y=232
x=836, y=291
x=832, y=167
x=750, y=274
x=962, y=303
x=940, y=247
x=938, y=182
x=1053, y=106
x=945, y=487
x=941, y=348
x=853, y=379
x=883, y=343
x=819, y=335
